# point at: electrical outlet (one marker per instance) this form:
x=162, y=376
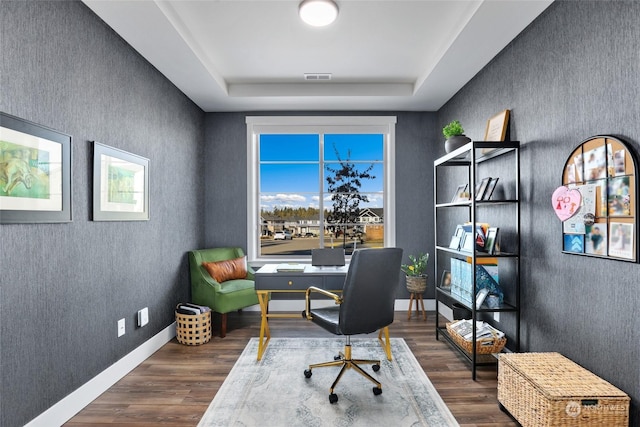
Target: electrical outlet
x=121, y=323
x=143, y=316
x=496, y=316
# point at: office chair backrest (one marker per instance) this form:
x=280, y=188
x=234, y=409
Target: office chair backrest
x=369, y=290
x=327, y=257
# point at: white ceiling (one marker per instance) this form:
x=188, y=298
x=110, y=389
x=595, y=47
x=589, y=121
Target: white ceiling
x=248, y=55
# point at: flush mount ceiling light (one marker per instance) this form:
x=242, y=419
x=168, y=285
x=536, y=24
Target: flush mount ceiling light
x=318, y=13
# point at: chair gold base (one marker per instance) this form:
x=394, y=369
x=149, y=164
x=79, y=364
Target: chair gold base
x=345, y=360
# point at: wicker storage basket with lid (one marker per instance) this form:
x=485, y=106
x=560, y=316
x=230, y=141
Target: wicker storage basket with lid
x=548, y=389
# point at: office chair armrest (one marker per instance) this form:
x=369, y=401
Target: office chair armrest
x=337, y=298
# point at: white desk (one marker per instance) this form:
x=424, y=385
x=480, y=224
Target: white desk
x=296, y=278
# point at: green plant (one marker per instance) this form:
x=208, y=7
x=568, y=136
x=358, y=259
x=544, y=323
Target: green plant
x=452, y=129
x=418, y=265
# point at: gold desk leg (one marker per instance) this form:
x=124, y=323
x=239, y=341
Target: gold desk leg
x=385, y=343
x=263, y=298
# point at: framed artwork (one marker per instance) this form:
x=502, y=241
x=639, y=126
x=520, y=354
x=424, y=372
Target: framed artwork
x=120, y=185
x=445, y=282
x=490, y=187
x=461, y=194
x=482, y=188
x=490, y=241
x=35, y=173
x=497, y=127
x=603, y=168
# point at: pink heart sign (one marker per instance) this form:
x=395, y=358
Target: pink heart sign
x=566, y=202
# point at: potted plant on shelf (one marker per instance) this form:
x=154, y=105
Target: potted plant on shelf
x=416, y=272
x=454, y=133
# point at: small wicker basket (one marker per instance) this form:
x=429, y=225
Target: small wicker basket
x=483, y=345
x=416, y=284
x=193, y=329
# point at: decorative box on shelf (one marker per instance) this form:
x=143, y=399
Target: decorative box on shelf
x=548, y=389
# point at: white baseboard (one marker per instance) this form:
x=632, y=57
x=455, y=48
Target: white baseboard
x=65, y=409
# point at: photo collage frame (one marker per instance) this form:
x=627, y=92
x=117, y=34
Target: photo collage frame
x=603, y=170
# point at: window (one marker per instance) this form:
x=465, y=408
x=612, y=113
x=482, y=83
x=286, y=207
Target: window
x=319, y=182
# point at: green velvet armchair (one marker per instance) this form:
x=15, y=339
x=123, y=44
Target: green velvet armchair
x=222, y=280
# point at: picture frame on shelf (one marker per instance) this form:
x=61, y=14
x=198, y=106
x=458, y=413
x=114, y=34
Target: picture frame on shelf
x=445, y=282
x=497, y=127
x=480, y=297
x=456, y=239
x=491, y=240
x=461, y=194
x=35, y=183
x=482, y=188
x=490, y=188
x=120, y=185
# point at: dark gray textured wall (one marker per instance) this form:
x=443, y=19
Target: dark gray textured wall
x=64, y=286
x=575, y=72
x=417, y=145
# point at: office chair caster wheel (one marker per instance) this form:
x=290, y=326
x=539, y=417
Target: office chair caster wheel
x=333, y=398
x=307, y=373
x=376, y=367
x=337, y=357
x=377, y=391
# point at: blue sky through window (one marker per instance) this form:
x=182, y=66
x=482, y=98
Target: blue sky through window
x=290, y=167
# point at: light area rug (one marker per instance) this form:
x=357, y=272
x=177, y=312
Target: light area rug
x=274, y=392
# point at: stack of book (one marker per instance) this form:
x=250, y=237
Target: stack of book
x=188, y=308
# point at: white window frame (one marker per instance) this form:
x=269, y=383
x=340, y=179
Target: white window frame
x=257, y=125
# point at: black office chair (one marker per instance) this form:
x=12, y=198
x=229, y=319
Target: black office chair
x=366, y=305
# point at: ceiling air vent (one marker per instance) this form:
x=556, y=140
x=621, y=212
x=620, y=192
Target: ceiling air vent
x=317, y=76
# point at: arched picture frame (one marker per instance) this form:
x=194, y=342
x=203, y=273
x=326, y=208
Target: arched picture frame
x=604, y=169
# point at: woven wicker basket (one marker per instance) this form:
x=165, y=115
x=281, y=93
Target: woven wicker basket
x=193, y=329
x=549, y=390
x=416, y=284
x=483, y=345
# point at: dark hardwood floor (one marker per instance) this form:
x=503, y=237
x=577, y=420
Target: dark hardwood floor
x=175, y=385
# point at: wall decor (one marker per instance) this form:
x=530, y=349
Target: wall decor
x=35, y=173
x=120, y=185
x=602, y=220
x=497, y=127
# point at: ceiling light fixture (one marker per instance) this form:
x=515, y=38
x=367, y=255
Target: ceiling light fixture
x=318, y=13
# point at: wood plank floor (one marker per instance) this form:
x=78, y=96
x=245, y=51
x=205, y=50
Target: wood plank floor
x=175, y=385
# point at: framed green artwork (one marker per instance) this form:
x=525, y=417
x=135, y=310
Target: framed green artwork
x=120, y=185
x=35, y=173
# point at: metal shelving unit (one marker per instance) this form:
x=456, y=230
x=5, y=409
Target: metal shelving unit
x=471, y=156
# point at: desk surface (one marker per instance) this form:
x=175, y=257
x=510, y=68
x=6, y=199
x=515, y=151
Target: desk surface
x=291, y=269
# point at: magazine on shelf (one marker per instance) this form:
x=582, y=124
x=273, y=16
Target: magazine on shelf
x=483, y=330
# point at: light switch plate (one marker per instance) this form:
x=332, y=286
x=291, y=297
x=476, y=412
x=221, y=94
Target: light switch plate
x=143, y=316
x=121, y=324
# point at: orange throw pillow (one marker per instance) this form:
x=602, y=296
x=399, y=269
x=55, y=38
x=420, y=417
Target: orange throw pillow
x=221, y=271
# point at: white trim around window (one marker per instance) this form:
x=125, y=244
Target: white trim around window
x=316, y=124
